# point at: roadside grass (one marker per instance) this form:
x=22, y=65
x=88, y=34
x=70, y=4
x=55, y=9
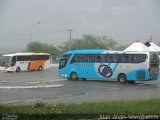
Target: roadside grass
x=43, y=111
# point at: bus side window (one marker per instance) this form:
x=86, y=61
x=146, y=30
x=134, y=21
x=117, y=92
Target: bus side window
x=116, y=58
x=136, y=58
x=129, y=58
x=97, y=58
x=87, y=58
x=123, y=58
x=143, y=58
x=110, y=58
x=84, y=58
x=107, y=58
x=77, y=58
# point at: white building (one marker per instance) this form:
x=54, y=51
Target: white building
x=137, y=46
x=152, y=46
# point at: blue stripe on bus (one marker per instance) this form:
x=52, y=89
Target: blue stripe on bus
x=115, y=67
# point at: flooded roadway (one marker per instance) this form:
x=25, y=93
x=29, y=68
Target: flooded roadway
x=46, y=86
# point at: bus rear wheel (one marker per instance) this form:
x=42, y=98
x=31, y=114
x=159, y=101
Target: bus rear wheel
x=122, y=78
x=74, y=76
x=18, y=69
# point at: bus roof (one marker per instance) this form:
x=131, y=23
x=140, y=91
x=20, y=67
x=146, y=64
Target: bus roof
x=98, y=51
x=18, y=54
x=84, y=51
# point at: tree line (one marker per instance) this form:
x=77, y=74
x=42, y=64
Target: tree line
x=86, y=42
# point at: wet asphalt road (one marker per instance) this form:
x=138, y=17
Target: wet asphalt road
x=46, y=86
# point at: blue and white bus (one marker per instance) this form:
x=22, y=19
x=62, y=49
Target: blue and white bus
x=109, y=65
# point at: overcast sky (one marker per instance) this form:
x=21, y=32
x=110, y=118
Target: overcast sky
x=123, y=20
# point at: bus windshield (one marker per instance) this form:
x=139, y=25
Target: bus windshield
x=6, y=61
x=63, y=61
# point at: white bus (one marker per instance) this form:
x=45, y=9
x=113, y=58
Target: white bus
x=109, y=65
x=25, y=61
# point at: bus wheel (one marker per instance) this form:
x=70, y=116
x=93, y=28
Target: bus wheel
x=84, y=79
x=40, y=68
x=73, y=76
x=122, y=78
x=18, y=69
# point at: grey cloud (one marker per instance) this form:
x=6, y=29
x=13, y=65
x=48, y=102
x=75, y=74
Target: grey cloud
x=123, y=20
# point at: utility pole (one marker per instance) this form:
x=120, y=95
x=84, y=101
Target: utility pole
x=151, y=38
x=32, y=28
x=70, y=37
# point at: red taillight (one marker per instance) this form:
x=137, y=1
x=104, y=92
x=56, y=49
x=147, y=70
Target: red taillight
x=149, y=70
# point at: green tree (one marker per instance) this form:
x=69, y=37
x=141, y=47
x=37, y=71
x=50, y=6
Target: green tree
x=89, y=42
x=38, y=47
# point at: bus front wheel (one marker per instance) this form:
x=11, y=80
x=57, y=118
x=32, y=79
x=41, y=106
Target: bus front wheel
x=122, y=78
x=18, y=69
x=74, y=76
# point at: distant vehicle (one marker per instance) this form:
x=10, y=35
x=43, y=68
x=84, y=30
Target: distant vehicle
x=109, y=65
x=25, y=61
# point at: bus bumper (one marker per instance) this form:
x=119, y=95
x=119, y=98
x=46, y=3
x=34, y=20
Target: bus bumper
x=63, y=75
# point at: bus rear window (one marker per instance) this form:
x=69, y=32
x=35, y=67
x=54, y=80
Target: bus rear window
x=154, y=56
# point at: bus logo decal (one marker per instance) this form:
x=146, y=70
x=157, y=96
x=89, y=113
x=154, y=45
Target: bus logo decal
x=105, y=71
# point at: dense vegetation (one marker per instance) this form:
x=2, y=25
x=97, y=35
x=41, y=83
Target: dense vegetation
x=42, y=111
x=87, y=42
x=38, y=47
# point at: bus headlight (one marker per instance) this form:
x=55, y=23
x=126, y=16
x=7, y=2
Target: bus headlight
x=64, y=75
